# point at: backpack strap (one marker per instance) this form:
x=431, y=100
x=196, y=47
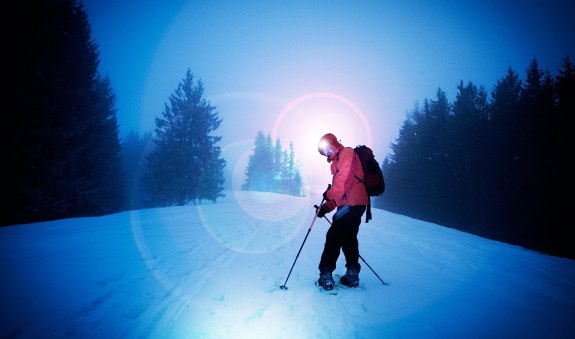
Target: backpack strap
x=360, y=179
x=368, y=211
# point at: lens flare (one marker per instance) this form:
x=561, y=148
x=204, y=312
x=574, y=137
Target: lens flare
x=307, y=118
x=327, y=98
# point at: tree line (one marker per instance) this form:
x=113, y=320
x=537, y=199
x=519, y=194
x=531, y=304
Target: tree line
x=271, y=168
x=491, y=164
x=63, y=156
x=59, y=132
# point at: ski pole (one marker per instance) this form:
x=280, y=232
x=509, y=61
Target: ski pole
x=284, y=287
x=383, y=282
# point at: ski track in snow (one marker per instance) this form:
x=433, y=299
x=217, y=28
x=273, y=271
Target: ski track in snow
x=214, y=271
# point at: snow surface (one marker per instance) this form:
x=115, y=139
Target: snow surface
x=214, y=271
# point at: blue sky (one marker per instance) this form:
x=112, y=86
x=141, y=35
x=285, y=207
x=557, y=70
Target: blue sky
x=299, y=69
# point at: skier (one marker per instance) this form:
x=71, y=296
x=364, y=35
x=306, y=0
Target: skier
x=349, y=196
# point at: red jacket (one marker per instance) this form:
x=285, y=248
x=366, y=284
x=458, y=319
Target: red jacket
x=346, y=189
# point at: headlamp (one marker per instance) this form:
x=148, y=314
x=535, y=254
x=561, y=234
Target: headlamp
x=325, y=148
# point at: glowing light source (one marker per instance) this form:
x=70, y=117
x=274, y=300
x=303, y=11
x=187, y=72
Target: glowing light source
x=324, y=95
x=304, y=120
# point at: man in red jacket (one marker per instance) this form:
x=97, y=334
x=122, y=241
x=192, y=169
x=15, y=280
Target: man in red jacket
x=349, y=196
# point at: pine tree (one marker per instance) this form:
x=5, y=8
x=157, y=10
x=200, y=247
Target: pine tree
x=468, y=155
x=103, y=183
x=499, y=161
x=539, y=188
x=565, y=89
x=260, y=169
x=186, y=164
x=432, y=132
x=565, y=84
x=279, y=172
x=504, y=133
x=402, y=168
x=292, y=173
x=63, y=159
x=270, y=169
x=559, y=156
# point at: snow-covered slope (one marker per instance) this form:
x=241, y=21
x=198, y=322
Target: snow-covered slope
x=214, y=271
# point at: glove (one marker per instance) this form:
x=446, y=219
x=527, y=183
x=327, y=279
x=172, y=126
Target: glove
x=322, y=211
x=325, y=193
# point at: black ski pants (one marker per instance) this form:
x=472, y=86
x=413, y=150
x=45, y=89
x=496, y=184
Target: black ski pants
x=342, y=235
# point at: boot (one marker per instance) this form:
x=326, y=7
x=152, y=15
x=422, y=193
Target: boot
x=326, y=281
x=350, y=278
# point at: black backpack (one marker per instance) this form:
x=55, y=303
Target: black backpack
x=372, y=175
